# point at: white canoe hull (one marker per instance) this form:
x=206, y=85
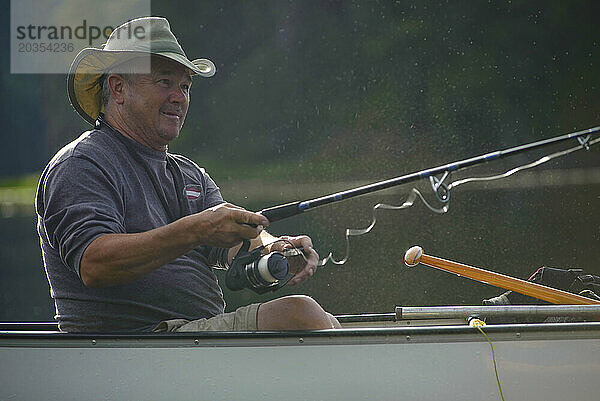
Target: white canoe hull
x=535, y=362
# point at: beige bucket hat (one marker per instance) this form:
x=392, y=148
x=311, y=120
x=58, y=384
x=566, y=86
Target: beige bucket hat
x=135, y=38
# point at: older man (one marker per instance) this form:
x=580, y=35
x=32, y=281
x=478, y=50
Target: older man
x=129, y=232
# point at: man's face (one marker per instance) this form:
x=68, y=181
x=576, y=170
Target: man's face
x=156, y=104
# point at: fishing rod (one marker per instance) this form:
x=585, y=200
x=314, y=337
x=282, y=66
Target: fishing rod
x=263, y=273
x=280, y=212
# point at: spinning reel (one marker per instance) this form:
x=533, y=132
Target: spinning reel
x=260, y=273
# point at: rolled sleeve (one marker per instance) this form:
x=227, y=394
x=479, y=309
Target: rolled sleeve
x=80, y=203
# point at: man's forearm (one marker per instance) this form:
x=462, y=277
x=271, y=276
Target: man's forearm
x=121, y=258
x=113, y=259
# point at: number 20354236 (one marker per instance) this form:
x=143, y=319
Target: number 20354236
x=35, y=47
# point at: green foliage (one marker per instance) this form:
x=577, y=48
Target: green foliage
x=312, y=94
x=353, y=86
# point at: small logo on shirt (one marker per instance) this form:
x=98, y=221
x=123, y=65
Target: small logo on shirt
x=193, y=191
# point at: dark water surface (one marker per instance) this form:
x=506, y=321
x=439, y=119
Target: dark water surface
x=312, y=97
x=512, y=231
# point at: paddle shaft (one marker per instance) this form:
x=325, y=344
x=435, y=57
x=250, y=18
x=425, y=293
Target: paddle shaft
x=542, y=292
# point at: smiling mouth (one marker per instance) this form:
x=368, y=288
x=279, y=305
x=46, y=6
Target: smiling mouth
x=171, y=114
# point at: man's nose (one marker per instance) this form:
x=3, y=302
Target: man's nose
x=178, y=95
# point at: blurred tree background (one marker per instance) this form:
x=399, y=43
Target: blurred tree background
x=315, y=96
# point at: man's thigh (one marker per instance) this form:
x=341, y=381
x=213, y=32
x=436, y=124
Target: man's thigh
x=242, y=319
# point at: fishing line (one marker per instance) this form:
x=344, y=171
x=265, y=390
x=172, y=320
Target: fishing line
x=355, y=232
x=536, y=163
x=479, y=324
x=442, y=192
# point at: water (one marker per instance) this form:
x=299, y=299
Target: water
x=512, y=231
x=312, y=95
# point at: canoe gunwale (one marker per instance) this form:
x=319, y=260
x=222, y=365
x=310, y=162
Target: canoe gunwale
x=387, y=335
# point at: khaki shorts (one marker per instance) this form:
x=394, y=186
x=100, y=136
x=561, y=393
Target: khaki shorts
x=243, y=319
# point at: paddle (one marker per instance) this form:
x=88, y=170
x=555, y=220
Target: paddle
x=415, y=256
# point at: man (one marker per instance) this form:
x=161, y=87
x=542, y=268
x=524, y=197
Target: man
x=129, y=232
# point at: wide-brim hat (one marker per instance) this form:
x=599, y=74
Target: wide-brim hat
x=136, y=38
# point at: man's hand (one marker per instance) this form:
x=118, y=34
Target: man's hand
x=113, y=259
x=302, y=268
x=226, y=225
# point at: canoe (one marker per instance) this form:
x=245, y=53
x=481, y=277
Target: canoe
x=416, y=353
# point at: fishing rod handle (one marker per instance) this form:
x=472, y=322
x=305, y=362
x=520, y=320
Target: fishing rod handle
x=276, y=213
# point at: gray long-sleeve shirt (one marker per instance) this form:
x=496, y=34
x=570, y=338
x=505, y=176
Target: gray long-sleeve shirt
x=94, y=186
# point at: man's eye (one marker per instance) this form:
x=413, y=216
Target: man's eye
x=164, y=81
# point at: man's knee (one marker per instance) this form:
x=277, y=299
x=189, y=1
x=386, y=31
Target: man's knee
x=299, y=304
x=295, y=312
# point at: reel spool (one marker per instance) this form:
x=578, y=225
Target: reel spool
x=257, y=272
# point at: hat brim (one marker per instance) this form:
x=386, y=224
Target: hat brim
x=83, y=79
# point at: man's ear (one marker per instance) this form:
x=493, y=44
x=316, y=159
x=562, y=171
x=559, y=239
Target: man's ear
x=116, y=84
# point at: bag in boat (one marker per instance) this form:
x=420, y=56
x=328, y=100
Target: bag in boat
x=572, y=280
